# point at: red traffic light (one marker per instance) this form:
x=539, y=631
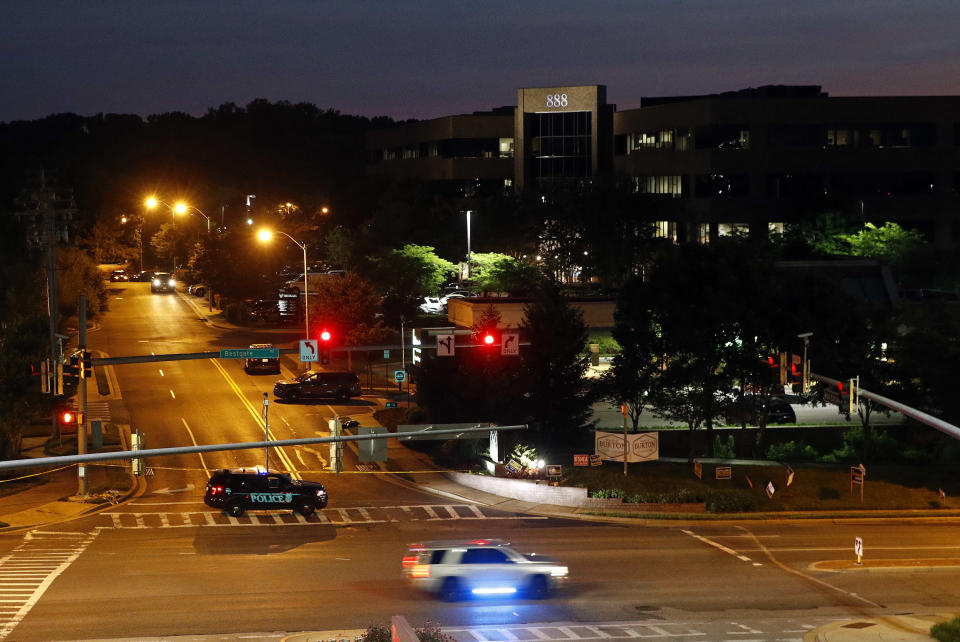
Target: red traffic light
x=67, y=417
x=325, y=335
x=488, y=339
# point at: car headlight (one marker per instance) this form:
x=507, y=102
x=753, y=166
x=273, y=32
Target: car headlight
x=172, y=283
x=156, y=281
x=558, y=571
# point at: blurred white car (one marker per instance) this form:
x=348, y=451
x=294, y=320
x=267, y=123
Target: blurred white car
x=431, y=305
x=460, y=568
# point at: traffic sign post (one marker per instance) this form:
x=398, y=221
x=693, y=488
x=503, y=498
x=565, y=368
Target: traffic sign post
x=309, y=350
x=858, y=550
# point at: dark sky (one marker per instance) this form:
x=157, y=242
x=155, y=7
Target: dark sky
x=433, y=58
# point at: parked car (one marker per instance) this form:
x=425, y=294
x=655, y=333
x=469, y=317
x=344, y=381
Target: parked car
x=431, y=305
x=263, y=311
x=749, y=408
x=163, y=282
x=317, y=384
x=456, y=569
x=197, y=289
x=119, y=275
x=268, y=365
x=142, y=276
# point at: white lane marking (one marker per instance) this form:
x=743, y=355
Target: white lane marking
x=717, y=545
x=745, y=630
x=171, y=394
x=202, y=463
x=161, y=372
x=272, y=518
x=71, y=546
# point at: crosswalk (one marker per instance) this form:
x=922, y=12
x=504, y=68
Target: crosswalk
x=358, y=515
x=27, y=571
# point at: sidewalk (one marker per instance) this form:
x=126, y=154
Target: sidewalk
x=901, y=628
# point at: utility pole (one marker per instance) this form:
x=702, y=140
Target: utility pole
x=41, y=205
x=82, y=419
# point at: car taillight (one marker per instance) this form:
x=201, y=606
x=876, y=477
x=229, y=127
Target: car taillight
x=216, y=490
x=409, y=561
x=420, y=570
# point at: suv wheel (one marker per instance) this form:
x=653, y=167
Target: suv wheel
x=234, y=508
x=304, y=506
x=450, y=591
x=539, y=588
x=343, y=396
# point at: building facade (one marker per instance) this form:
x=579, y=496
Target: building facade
x=747, y=161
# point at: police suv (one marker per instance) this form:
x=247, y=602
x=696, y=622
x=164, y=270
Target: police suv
x=240, y=489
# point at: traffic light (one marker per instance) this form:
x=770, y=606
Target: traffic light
x=489, y=339
x=67, y=419
x=87, y=365
x=325, y=339
x=71, y=371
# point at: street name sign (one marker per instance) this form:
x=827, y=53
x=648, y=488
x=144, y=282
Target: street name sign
x=250, y=353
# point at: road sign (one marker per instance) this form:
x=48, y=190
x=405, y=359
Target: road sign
x=386, y=354
x=858, y=549
x=510, y=344
x=250, y=353
x=581, y=460
x=309, y=349
x=399, y=376
x=723, y=472
x=446, y=345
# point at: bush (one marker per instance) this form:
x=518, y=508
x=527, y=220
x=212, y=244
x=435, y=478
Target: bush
x=730, y=501
x=608, y=493
x=377, y=633
x=679, y=496
x=415, y=415
x=431, y=633
x=723, y=450
x=234, y=311
x=948, y=631
x=792, y=451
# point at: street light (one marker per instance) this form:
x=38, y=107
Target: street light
x=806, y=364
x=265, y=236
x=123, y=219
x=152, y=203
x=181, y=208
x=469, y=255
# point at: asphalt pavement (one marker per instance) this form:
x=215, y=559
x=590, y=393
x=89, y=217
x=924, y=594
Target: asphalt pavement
x=55, y=501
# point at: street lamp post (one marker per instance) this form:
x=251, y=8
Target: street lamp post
x=151, y=203
x=182, y=208
x=264, y=236
x=469, y=254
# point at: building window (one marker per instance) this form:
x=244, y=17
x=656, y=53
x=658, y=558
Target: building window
x=664, y=139
x=561, y=145
x=506, y=148
x=720, y=185
x=703, y=233
x=733, y=229
x=722, y=137
x=668, y=185
x=665, y=230
x=776, y=229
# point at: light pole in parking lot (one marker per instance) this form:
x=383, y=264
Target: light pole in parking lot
x=265, y=236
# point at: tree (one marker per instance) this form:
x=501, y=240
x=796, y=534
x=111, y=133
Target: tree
x=635, y=373
x=508, y=274
x=554, y=365
x=172, y=242
x=346, y=305
x=405, y=276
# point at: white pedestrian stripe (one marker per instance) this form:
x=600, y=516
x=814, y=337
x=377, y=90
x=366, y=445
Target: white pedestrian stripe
x=30, y=569
x=333, y=516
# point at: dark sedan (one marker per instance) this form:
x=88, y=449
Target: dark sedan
x=316, y=384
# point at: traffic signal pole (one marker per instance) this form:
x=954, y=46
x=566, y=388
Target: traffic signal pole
x=82, y=420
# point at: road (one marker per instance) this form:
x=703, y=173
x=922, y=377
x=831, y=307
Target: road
x=164, y=565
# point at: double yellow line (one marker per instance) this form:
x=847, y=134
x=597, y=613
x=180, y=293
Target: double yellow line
x=257, y=417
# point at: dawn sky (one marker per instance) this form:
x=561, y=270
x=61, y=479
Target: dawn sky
x=428, y=59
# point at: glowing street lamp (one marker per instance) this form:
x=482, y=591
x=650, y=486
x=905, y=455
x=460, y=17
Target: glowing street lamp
x=265, y=236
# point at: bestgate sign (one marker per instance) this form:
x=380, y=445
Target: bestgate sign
x=644, y=446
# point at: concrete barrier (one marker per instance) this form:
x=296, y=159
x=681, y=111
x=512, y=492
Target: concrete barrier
x=523, y=489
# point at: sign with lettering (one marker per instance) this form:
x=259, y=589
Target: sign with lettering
x=554, y=470
x=595, y=461
x=581, y=460
x=724, y=472
x=643, y=446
